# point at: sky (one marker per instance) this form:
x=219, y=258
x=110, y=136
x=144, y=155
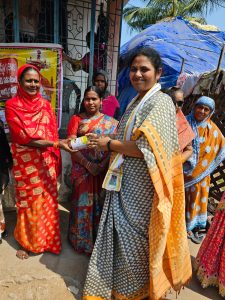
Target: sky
x=217, y=17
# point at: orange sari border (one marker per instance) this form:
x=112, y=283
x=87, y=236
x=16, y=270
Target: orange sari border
x=141, y=294
x=93, y=298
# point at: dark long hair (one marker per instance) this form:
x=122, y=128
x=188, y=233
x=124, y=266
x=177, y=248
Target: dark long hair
x=91, y=88
x=105, y=93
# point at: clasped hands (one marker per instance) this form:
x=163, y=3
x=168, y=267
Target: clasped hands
x=94, y=142
x=97, y=142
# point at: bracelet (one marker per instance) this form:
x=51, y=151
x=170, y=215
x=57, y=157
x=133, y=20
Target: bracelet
x=108, y=145
x=88, y=165
x=56, y=144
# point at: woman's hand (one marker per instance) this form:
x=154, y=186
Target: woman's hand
x=70, y=139
x=65, y=145
x=92, y=137
x=69, y=143
x=102, y=143
x=99, y=143
x=66, y=57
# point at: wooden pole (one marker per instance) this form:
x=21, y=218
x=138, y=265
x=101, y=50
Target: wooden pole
x=182, y=65
x=218, y=67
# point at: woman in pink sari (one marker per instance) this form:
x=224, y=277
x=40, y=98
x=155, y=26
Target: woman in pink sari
x=88, y=171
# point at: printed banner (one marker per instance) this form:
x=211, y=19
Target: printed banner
x=46, y=57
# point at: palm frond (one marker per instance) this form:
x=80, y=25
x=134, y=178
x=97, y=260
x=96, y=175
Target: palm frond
x=202, y=6
x=157, y=10
x=130, y=12
x=138, y=18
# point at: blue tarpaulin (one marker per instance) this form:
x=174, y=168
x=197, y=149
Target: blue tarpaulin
x=176, y=41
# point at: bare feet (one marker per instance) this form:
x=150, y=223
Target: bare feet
x=22, y=254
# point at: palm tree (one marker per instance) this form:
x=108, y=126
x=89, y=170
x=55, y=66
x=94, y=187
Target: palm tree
x=158, y=10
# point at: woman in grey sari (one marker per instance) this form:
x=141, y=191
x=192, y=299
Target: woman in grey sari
x=141, y=244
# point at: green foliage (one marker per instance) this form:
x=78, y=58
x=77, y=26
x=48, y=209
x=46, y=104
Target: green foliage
x=138, y=18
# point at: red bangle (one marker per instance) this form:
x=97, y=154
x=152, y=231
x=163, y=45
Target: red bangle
x=56, y=144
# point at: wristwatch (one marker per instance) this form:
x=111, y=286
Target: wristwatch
x=108, y=145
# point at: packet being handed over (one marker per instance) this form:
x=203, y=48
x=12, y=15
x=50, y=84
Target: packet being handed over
x=79, y=143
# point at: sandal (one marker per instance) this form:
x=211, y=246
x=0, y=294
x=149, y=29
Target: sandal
x=199, y=235
x=193, y=238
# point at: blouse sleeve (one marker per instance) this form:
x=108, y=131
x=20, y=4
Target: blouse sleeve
x=73, y=125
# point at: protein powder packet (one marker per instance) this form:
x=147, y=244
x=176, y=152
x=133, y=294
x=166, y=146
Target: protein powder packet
x=79, y=143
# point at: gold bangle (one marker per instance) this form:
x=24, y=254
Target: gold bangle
x=56, y=144
x=88, y=164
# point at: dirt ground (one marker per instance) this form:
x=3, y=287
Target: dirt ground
x=61, y=277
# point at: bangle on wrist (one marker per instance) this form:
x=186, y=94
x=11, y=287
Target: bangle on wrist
x=88, y=165
x=56, y=144
x=108, y=145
